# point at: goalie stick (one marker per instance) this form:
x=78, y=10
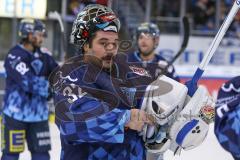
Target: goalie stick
x=183, y=46
x=192, y=84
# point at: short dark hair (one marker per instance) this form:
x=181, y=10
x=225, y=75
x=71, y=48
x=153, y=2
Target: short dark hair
x=89, y=42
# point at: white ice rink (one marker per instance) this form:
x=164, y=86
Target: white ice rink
x=209, y=150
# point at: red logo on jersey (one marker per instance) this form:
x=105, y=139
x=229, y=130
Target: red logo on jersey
x=139, y=71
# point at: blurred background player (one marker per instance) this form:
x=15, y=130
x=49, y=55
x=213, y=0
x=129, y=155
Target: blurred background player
x=147, y=39
x=227, y=121
x=25, y=110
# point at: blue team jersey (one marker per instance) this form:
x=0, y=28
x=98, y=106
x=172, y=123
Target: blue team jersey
x=27, y=86
x=92, y=107
x=227, y=119
x=154, y=66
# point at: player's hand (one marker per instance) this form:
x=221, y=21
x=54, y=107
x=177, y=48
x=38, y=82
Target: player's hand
x=138, y=119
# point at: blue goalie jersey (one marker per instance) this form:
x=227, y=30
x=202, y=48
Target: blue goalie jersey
x=227, y=120
x=27, y=86
x=92, y=107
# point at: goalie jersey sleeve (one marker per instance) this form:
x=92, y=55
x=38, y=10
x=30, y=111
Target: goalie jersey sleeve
x=27, y=84
x=91, y=114
x=227, y=120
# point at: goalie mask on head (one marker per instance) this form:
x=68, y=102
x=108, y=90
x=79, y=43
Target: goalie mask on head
x=92, y=18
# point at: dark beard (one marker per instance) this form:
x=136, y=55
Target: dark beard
x=144, y=54
x=98, y=63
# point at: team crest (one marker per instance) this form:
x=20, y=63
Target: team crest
x=207, y=113
x=37, y=66
x=139, y=71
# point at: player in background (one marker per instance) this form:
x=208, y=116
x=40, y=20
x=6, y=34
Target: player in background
x=25, y=109
x=147, y=39
x=227, y=119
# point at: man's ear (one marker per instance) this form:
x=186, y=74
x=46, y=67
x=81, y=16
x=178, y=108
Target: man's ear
x=86, y=47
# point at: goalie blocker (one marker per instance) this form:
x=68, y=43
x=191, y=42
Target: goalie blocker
x=180, y=121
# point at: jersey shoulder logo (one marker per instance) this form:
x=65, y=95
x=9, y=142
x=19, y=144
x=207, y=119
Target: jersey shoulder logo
x=139, y=71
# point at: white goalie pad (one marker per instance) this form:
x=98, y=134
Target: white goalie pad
x=163, y=99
